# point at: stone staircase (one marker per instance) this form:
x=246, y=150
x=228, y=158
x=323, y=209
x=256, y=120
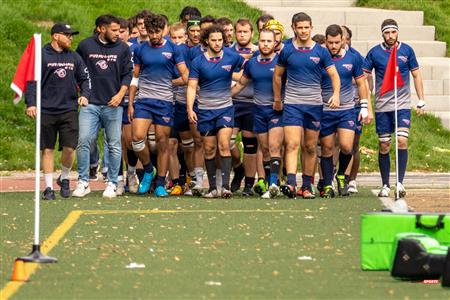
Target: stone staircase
x=365, y=24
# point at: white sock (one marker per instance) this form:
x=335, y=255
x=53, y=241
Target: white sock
x=119, y=178
x=199, y=175
x=131, y=170
x=48, y=180
x=65, y=172
x=219, y=178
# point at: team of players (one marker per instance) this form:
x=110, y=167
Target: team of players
x=191, y=84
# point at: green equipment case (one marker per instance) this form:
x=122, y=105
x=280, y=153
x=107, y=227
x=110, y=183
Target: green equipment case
x=379, y=230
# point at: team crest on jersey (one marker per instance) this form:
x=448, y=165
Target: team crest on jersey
x=406, y=121
x=61, y=72
x=166, y=119
x=348, y=67
x=403, y=58
x=316, y=124
x=351, y=123
x=228, y=119
x=227, y=68
x=102, y=64
x=359, y=127
x=167, y=55
x=315, y=59
x=274, y=121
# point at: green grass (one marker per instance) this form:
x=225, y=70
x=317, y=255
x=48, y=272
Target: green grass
x=203, y=251
x=436, y=12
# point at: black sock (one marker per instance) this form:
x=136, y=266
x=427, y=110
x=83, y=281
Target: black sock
x=132, y=158
x=239, y=169
x=384, y=162
x=160, y=180
x=266, y=165
x=210, y=165
x=120, y=168
x=176, y=181
x=148, y=168
x=326, y=164
x=183, y=168
x=225, y=165
x=307, y=180
x=344, y=160
x=292, y=179
x=249, y=181
x=275, y=163
x=402, y=163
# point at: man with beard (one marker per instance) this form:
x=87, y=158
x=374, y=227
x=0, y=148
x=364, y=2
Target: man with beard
x=109, y=63
x=154, y=68
x=196, y=50
x=228, y=28
x=340, y=120
x=266, y=113
x=377, y=58
x=303, y=61
x=62, y=72
x=278, y=29
x=262, y=20
x=143, y=35
x=212, y=72
x=243, y=118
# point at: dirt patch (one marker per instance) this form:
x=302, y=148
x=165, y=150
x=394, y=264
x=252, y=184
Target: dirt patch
x=429, y=200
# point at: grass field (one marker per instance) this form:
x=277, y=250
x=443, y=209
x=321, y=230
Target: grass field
x=194, y=248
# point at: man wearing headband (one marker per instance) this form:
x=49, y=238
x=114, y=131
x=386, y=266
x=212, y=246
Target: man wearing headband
x=377, y=59
x=278, y=29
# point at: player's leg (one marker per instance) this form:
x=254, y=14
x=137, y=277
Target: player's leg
x=384, y=127
x=404, y=121
x=210, y=149
x=223, y=140
x=310, y=154
x=174, y=164
x=292, y=146
x=354, y=165
x=199, y=160
x=326, y=163
x=238, y=166
x=346, y=137
x=131, y=158
x=250, y=144
x=162, y=134
x=275, y=142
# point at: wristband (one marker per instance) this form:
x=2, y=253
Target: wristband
x=421, y=104
x=364, y=112
x=135, y=81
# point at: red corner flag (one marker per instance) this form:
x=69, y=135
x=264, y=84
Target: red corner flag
x=25, y=70
x=390, y=73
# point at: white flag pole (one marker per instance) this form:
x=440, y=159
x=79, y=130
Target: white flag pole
x=397, y=194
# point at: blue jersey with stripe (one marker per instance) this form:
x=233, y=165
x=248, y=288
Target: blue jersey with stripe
x=157, y=69
x=179, y=92
x=246, y=95
x=377, y=58
x=304, y=72
x=260, y=71
x=348, y=67
x=214, y=79
x=361, y=61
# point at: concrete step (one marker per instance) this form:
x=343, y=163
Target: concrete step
x=421, y=48
x=445, y=118
x=431, y=87
x=435, y=68
x=434, y=103
x=346, y=15
x=373, y=32
x=302, y=3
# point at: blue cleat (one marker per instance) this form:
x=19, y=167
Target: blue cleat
x=160, y=191
x=146, y=182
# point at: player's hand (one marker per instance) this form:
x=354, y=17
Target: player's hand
x=192, y=116
x=31, y=112
x=277, y=105
x=115, y=100
x=83, y=101
x=420, y=112
x=420, y=108
x=334, y=101
x=130, y=112
x=365, y=117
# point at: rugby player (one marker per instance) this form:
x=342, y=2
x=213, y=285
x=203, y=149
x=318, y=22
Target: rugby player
x=377, y=58
x=189, y=13
x=262, y=20
x=143, y=35
x=278, y=29
x=228, y=28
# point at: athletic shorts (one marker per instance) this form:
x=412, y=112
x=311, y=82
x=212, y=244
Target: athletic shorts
x=334, y=119
x=125, y=120
x=180, y=117
x=64, y=126
x=211, y=120
x=359, y=125
x=265, y=118
x=385, y=121
x=304, y=115
x=159, y=111
x=243, y=115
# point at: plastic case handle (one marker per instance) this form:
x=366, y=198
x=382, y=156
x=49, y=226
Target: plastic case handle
x=439, y=224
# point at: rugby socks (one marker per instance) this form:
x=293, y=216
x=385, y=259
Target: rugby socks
x=326, y=163
x=148, y=168
x=225, y=163
x=160, y=180
x=249, y=181
x=132, y=159
x=344, y=160
x=307, y=180
x=211, y=172
x=65, y=172
x=275, y=163
x=291, y=179
x=266, y=165
x=199, y=175
x=120, y=168
x=48, y=177
x=183, y=168
x=402, y=163
x=384, y=162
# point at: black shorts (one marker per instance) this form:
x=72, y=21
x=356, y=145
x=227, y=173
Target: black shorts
x=243, y=115
x=64, y=126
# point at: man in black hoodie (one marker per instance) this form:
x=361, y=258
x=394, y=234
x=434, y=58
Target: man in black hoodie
x=108, y=60
x=62, y=72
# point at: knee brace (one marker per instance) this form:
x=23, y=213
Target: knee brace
x=152, y=141
x=403, y=133
x=138, y=145
x=188, y=143
x=250, y=145
x=233, y=141
x=384, y=138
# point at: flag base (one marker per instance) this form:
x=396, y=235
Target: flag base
x=36, y=256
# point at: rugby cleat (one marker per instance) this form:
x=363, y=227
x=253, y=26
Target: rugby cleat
x=197, y=190
x=146, y=182
x=237, y=179
x=328, y=192
x=288, y=190
x=266, y=195
x=133, y=182
x=212, y=194
x=48, y=194
x=342, y=186
x=385, y=191
x=160, y=191
x=307, y=193
x=260, y=187
x=352, y=188
x=177, y=190
x=248, y=192
x=401, y=190
x=226, y=193
x=320, y=187
x=274, y=190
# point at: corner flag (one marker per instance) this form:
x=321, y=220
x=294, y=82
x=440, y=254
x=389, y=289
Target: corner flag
x=390, y=73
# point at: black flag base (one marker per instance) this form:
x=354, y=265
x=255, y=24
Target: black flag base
x=36, y=256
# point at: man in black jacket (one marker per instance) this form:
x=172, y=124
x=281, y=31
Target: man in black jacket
x=63, y=71
x=108, y=60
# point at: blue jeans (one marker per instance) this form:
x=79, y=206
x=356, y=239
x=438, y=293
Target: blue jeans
x=94, y=153
x=91, y=118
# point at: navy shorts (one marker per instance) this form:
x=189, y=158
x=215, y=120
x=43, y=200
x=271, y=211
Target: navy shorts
x=125, y=120
x=265, y=118
x=243, y=115
x=385, y=121
x=305, y=115
x=359, y=125
x=211, y=120
x=159, y=111
x=180, y=117
x=334, y=119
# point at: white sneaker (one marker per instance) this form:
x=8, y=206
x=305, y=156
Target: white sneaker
x=133, y=182
x=110, y=191
x=82, y=189
x=401, y=190
x=212, y=194
x=385, y=191
x=197, y=190
x=266, y=195
x=120, y=188
x=274, y=190
x=226, y=193
x=188, y=192
x=352, y=189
